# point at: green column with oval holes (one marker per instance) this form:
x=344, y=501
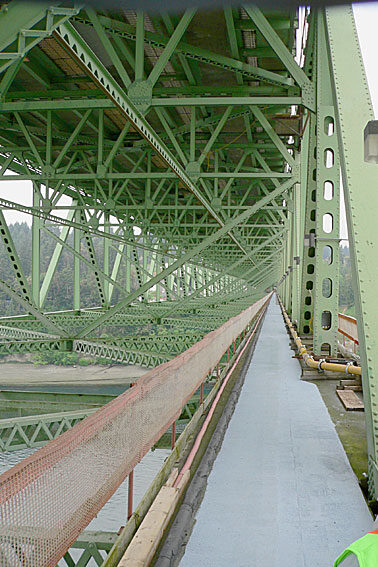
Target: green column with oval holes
x=326, y=283
x=308, y=190
x=36, y=242
x=297, y=232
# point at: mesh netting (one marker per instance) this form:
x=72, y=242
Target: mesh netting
x=50, y=497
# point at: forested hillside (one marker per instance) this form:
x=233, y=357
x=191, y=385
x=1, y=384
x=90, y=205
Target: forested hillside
x=60, y=295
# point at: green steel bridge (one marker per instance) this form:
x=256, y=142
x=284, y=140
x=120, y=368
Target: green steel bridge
x=204, y=150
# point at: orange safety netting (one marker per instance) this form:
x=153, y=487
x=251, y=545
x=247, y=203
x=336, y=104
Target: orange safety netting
x=50, y=497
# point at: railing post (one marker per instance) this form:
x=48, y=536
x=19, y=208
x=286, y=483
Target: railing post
x=130, y=495
x=173, y=442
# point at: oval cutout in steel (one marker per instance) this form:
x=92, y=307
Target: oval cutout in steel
x=329, y=158
x=326, y=320
x=327, y=223
x=328, y=190
x=327, y=287
x=329, y=126
x=327, y=254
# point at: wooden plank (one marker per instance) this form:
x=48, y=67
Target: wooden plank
x=350, y=382
x=350, y=385
x=144, y=544
x=350, y=400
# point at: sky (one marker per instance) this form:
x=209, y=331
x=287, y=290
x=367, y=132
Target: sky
x=366, y=16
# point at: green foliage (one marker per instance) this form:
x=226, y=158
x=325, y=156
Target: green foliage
x=60, y=295
x=55, y=357
x=39, y=359
x=84, y=362
x=102, y=360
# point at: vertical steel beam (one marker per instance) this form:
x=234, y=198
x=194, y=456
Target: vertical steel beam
x=158, y=260
x=193, y=133
x=353, y=111
x=55, y=259
x=326, y=305
x=36, y=245
x=296, y=260
x=139, y=47
x=76, y=260
x=106, y=241
x=308, y=189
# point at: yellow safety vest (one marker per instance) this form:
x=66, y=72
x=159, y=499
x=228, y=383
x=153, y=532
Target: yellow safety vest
x=365, y=549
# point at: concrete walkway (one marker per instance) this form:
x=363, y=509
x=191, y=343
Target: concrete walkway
x=281, y=492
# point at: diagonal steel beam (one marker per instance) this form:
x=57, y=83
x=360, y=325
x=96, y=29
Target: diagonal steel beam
x=54, y=260
x=121, y=29
x=281, y=50
x=24, y=24
x=215, y=134
x=108, y=46
x=32, y=309
x=273, y=135
x=171, y=46
x=15, y=260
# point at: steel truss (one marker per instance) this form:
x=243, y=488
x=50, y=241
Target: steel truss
x=33, y=431
x=199, y=166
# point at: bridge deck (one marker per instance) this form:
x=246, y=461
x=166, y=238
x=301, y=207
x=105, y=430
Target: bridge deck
x=281, y=491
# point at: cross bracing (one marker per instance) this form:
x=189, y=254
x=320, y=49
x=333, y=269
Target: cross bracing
x=203, y=151
x=188, y=151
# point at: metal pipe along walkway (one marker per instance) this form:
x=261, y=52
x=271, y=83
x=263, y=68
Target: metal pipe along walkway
x=281, y=492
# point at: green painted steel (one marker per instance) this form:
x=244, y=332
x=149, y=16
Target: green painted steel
x=29, y=402
x=326, y=290
x=93, y=545
x=179, y=166
x=31, y=429
x=359, y=181
x=35, y=431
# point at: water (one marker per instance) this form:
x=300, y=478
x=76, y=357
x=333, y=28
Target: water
x=114, y=514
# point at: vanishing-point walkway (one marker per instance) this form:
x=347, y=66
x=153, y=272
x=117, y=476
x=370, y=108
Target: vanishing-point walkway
x=281, y=492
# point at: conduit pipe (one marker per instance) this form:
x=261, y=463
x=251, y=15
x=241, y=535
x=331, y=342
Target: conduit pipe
x=348, y=368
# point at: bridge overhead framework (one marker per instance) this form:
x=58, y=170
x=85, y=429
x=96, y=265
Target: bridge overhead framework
x=188, y=164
